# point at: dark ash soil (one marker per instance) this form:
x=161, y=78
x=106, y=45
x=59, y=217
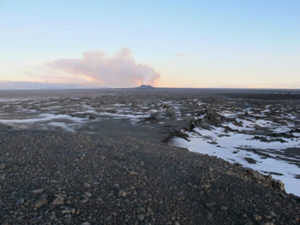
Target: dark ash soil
x=63, y=178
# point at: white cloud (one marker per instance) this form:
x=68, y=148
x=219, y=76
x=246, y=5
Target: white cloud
x=99, y=69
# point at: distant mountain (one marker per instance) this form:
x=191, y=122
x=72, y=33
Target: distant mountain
x=24, y=85
x=12, y=85
x=144, y=86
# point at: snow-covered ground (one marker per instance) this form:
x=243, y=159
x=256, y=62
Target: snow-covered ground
x=262, y=141
x=238, y=148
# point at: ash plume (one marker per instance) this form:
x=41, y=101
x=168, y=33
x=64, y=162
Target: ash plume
x=96, y=67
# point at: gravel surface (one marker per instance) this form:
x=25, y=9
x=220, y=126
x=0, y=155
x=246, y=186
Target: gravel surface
x=67, y=178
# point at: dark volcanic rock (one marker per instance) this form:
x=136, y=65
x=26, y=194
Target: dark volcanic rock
x=59, y=178
x=144, y=86
x=212, y=117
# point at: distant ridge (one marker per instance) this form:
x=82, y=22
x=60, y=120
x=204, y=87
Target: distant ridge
x=144, y=86
x=23, y=85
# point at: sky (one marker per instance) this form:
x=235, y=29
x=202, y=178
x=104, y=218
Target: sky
x=198, y=44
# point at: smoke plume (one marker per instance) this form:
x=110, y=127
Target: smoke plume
x=96, y=67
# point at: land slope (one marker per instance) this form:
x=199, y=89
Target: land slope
x=56, y=177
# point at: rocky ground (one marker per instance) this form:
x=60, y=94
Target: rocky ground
x=63, y=178
x=103, y=157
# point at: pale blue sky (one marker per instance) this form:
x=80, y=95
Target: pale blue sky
x=248, y=43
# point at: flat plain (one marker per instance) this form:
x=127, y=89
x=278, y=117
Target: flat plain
x=114, y=156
